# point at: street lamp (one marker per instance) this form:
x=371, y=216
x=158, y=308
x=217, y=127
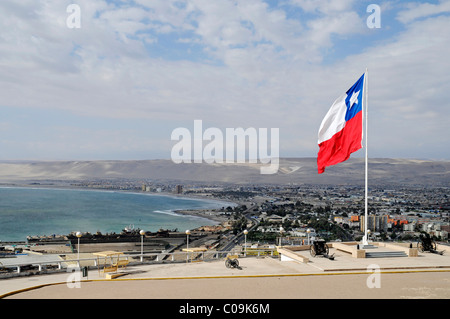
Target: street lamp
x=188, y=232
x=142, y=233
x=245, y=242
x=281, y=233
x=308, y=231
x=78, y=234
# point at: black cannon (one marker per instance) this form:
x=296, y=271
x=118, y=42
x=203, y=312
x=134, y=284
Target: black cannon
x=320, y=247
x=428, y=244
x=232, y=262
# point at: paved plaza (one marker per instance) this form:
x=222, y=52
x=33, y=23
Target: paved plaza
x=425, y=276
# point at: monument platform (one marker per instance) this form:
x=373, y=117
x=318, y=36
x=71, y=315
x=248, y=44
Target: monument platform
x=425, y=276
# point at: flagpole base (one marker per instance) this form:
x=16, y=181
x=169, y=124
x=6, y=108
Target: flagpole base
x=365, y=241
x=365, y=244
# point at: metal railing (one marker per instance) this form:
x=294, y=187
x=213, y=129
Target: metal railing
x=136, y=259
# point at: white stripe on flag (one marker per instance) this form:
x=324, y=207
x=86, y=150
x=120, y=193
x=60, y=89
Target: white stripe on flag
x=334, y=121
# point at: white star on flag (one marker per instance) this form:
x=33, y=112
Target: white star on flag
x=354, y=98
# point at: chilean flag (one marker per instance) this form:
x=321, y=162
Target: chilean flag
x=340, y=133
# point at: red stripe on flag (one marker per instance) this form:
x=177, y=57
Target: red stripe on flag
x=338, y=148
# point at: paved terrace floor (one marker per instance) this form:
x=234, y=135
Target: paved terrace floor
x=425, y=276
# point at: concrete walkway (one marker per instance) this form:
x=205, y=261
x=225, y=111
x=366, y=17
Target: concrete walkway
x=426, y=276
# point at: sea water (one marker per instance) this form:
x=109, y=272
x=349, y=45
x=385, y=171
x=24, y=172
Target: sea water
x=41, y=211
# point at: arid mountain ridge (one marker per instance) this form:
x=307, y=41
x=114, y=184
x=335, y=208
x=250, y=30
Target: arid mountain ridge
x=294, y=171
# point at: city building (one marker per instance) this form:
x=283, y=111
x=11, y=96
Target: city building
x=375, y=223
x=179, y=189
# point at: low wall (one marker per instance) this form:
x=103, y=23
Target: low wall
x=439, y=247
x=411, y=252
x=349, y=247
x=296, y=248
x=292, y=253
x=352, y=248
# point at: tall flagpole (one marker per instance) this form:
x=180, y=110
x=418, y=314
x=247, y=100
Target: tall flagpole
x=366, y=104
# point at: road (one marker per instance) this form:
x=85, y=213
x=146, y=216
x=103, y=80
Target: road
x=238, y=238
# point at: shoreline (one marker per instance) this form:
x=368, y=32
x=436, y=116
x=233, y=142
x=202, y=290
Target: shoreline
x=210, y=214
x=202, y=213
x=168, y=194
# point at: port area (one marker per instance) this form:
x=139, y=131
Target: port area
x=426, y=275
x=130, y=241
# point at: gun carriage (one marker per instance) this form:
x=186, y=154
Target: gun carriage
x=428, y=244
x=320, y=247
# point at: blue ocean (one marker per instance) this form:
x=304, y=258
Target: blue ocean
x=41, y=211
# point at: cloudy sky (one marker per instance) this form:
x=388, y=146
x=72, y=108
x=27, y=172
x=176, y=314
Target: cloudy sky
x=117, y=86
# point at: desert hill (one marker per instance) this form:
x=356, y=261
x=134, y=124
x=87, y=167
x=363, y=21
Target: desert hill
x=291, y=171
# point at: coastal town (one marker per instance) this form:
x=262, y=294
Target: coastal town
x=329, y=211
x=268, y=215
x=334, y=212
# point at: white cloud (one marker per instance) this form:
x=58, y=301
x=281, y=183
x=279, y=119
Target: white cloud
x=322, y=29
x=255, y=66
x=325, y=6
x=421, y=10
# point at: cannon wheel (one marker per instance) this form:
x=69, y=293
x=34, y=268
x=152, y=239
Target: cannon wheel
x=231, y=263
x=420, y=247
x=312, y=251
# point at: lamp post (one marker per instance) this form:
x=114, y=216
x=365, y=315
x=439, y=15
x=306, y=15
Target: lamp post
x=245, y=242
x=308, y=231
x=78, y=234
x=281, y=233
x=142, y=233
x=188, y=232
